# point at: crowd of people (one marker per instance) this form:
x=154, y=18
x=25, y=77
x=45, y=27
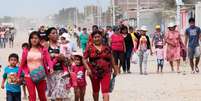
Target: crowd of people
x=7, y=35
x=52, y=63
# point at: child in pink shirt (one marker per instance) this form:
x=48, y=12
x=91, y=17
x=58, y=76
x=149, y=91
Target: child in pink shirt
x=79, y=69
x=160, y=56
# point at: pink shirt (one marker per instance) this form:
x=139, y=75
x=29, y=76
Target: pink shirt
x=80, y=73
x=46, y=61
x=34, y=60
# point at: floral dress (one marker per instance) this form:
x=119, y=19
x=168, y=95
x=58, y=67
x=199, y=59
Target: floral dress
x=172, y=39
x=57, y=82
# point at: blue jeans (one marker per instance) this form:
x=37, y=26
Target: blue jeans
x=13, y=96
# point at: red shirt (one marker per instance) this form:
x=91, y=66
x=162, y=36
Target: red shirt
x=80, y=74
x=99, y=59
x=117, y=42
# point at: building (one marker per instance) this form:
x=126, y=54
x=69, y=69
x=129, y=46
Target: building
x=93, y=13
x=129, y=7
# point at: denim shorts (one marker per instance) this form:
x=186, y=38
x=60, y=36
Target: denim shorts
x=194, y=52
x=160, y=62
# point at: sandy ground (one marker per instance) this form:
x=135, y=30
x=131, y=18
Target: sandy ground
x=134, y=87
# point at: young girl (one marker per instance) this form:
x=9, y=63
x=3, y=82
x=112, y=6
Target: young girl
x=160, y=56
x=36, y=64
x=143, y=49
x=79, y=69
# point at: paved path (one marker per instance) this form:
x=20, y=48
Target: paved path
x=134, y=87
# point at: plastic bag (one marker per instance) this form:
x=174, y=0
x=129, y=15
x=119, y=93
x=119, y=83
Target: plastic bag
x=134, y=58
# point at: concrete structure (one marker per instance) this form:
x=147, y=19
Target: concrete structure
x=92, y=11
x=129, y=7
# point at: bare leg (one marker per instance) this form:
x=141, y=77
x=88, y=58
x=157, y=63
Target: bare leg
x=172, y=66
x=178, y=64
x=24, y=90
x=192, y=64
x=196, y=64
x=106, y=97
x=77, y=94
x=82, y=94
x=96, y=96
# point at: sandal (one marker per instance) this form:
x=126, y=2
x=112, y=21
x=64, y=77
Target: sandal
x=197, y=69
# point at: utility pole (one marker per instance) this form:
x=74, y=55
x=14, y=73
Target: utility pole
x=138, y=13
x=113, y=13
x=178, y=17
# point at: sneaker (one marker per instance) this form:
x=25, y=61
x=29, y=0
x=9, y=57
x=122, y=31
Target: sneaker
x=192, y=72
x=145, y=73
x=129, y=72
x=197, y=69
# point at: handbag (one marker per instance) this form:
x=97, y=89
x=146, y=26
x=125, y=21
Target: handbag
x=38, y=74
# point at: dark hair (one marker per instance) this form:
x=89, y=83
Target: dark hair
x=48, y=31
x=131, y=28
x=96, y=32
x=191, y=20
x=31, y=36
x=26, y=45
x=80, y=58
x=84, y=29
x=95, y=26
x=108, y=27
x=13, y=55
x=116, y=28
x=123, y=28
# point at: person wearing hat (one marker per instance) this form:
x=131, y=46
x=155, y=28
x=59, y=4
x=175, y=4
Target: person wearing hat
x=144, y=47
x=158, y=43
x=157, y=36
x=65, y=46
x=173, y=40
x=192, y=37
x=135, y=37
x=79, y=69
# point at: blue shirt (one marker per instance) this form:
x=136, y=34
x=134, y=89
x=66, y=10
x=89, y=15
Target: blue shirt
x=10, y=74
x=193, y=36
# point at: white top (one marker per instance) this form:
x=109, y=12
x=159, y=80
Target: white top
x=160, y=53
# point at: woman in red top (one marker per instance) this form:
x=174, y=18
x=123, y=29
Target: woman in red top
x=118, y=47
x=34, y=58
x=101, y=63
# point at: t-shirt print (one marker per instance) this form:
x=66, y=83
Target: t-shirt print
x=12, y=78
x=193, y=32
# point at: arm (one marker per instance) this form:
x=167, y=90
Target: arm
x=84, y=60
x=186, y=40
x=4, y=79
x=23, y=62
x=2, y=83
x=86, y=66
x=124, y=46
x=49, y=61
x=114, y=66
x=149, y=45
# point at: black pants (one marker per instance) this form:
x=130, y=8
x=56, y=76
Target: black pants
x=119, y=56
x=13, y=96
x=127, y=59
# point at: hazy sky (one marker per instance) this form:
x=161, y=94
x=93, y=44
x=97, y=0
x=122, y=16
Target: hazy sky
x=41, y=8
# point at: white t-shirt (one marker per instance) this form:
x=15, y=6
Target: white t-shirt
x=160, y=53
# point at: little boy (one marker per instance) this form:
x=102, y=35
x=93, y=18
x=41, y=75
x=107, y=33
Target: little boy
x=13, y=91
